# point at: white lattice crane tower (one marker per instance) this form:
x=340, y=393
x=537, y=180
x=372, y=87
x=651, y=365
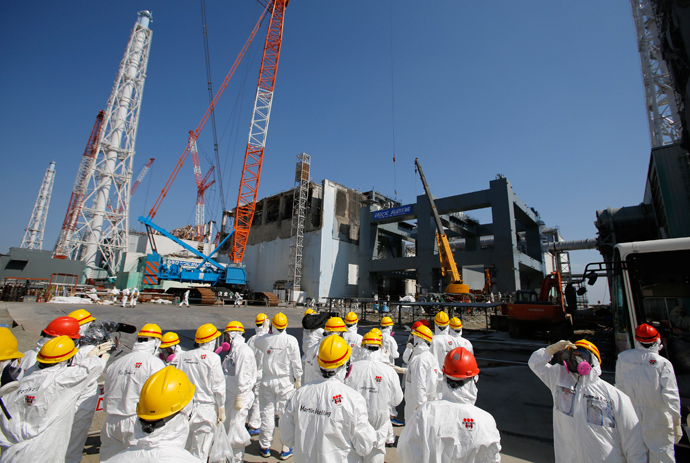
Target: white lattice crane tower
x=664, y=120
x=33, y=235
x=101, y=230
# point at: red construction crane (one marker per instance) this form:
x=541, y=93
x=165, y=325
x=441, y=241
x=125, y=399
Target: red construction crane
x=253, y=158
x=76, y=201
x=141, y=176
x=201, y=187
x=209, y=111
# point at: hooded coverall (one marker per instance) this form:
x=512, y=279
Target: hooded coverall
x=164, y=444
x=280, y=369
x=239, y=368
x=326, y=421
x=123, y=382
x=592, y=420
x=379, y=384
x=42, y=409
x=203, y=368
x=451, y=429
x=650, y=382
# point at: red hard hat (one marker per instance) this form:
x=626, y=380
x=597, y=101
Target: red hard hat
x=460, y=364
x=646, y=334
x=63, y=326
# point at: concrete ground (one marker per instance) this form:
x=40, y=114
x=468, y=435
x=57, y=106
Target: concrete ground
x=519, y=402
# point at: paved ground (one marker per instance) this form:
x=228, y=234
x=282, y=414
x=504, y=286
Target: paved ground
x=519, y=402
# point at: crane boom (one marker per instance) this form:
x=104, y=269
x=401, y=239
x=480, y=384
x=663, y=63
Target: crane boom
x=183, y=157
x=253, y=158
x=448, y=264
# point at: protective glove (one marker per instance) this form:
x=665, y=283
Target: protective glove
x=223, y=348
x=559, y=346
x=100, y=349
x=409, y=346
x=398, y=369
x=298, y=383
x=221, y=414
x=238, y=403
x=678, y=430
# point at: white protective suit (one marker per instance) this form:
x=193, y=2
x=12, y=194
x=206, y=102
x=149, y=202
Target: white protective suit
x=164, y=444
x=460, y=341
x=354, y=340
x=239, y=368
x=280, y=369
x=379, y=384
x=326, y=421
x=125, y=296
x=441, y=344
x=254, y=418
x=650, y=382
x=389, y=344
x=123, y=382
x=592, y=420
x=204, y=370
x=451, y=429
x=421, y=379
x=85, y=409
x=311, y=370
x=311, y=337
x=29, y=359
x=42, y=409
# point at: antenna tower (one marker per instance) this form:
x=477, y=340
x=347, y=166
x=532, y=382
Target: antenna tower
x=33, y=236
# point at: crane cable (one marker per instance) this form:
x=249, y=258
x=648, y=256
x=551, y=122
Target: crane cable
x=395, y=180
x=217, y=174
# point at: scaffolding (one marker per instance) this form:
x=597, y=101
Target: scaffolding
x=299, y=216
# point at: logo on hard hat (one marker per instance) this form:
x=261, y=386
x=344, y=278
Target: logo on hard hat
x=29, y=399
x=337, y=399
x=378, y=379
x=138, y=365
x=468, y=422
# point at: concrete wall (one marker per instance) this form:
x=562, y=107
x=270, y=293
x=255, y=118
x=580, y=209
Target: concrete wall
x=36, y=264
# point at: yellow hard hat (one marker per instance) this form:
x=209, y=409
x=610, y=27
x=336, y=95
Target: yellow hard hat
x=423, y=332
x=165, y=393
x=169, y=339
x=235, y=326
x=308, y=312
x=456, y=323
x=590, y=347
x=377, y=331
x=8, y=345
x=372, y=338
x=82, y=316
x=206, y=333
x=57, y=350
x=279, y=321
x=441, y=319
x=335, y=325
x=386, y=321
x=351, y=318
x=261, y=318
x=333, y=352
x=150, y=330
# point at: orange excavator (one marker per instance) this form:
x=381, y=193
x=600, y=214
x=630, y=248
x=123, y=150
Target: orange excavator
x=543, y=312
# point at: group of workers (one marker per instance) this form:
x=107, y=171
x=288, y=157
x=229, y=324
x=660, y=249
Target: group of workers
x=128, y=296
x=335, y=403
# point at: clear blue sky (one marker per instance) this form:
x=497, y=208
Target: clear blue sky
x=547, y=93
